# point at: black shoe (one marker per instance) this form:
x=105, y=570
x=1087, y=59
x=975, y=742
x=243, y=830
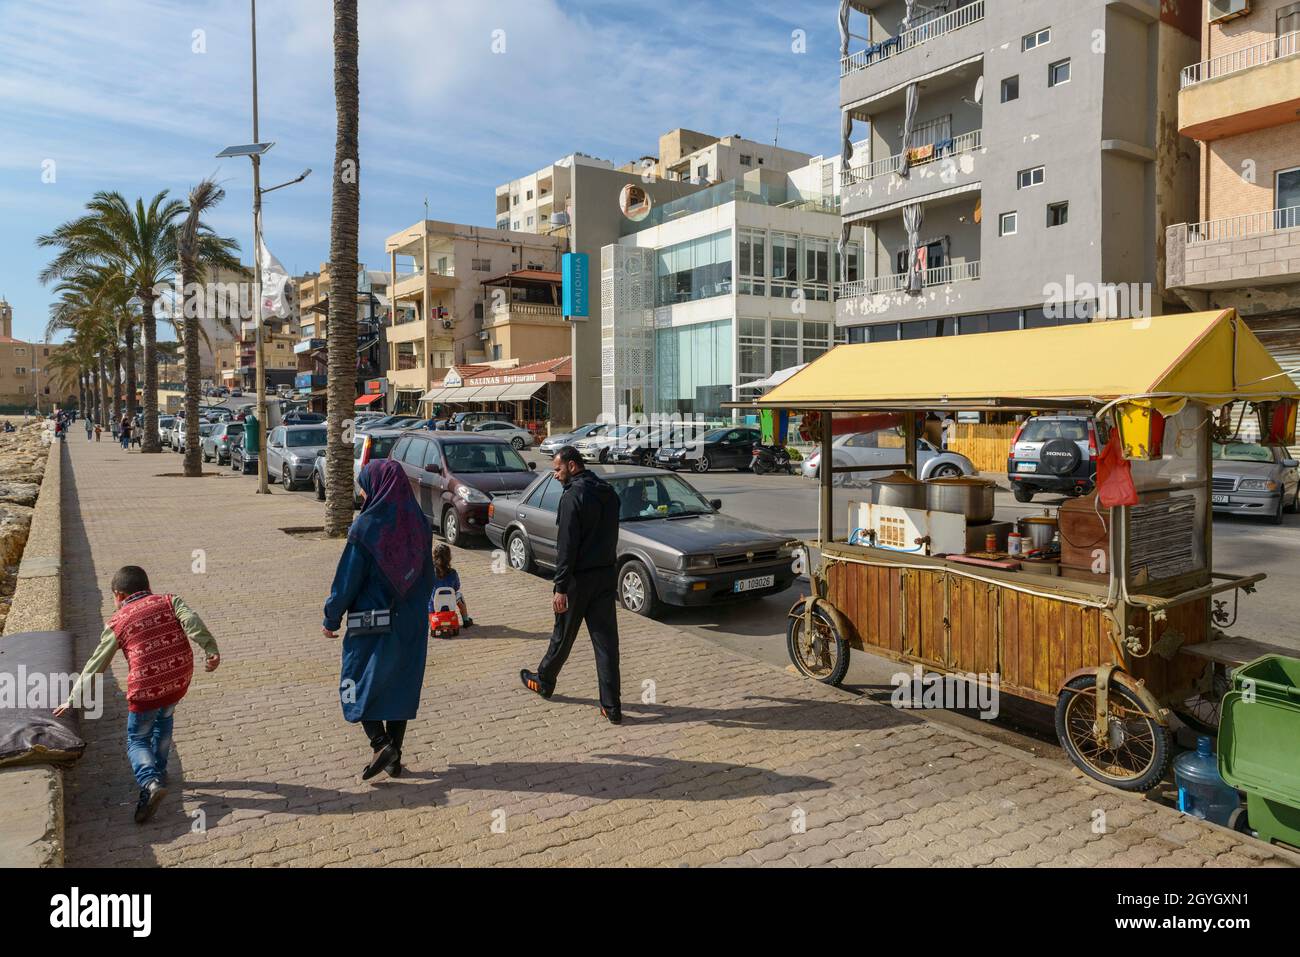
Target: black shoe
x=467, y=623
x=613, y=715
x=382, y=759
x=150, y=796
x=394, y=768
x=533, y=682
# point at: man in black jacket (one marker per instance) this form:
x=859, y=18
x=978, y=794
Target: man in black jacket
x=585, y=575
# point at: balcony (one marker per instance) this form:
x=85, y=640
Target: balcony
x=932, y=44
x=947, y=166
x=528, y=313
x=1249, y=89
x=897, y=282
x=1256, y=250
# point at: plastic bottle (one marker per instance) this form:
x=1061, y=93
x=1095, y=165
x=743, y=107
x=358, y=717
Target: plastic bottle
x=1201, y=792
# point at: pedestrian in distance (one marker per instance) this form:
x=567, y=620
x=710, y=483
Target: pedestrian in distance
x=382, y=587
x=154, y=632
x=124, y=431
x=585, y=574
x=90, y=428
x=99, y=430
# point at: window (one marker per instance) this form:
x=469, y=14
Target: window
x=530, y=220
x=399, y=450
x=702, y=173
x=551, y=493
x=1010, y=89
x=515, y=199
x=885, y=332
x=696, y=269
x=20, y=351
x=785, y=264
x=431, y=455
x=1029, y=177
x=1007, y=224
x=20, y=370
x=1287, y=198
x=1058, y=73
x=482, y=265
x=816, y=339
x=1058, y=214
x=852, y=263
x=746, y=160
x=817, y=268
x=516, y=226
x=1288, y=21
x=1031, y=41
x=752, y=342
x=785, y=344
x=529, y=195
x=751, y=270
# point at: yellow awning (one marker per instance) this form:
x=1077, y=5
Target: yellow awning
x=1211, y=357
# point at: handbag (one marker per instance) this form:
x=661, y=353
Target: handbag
x=375, y=621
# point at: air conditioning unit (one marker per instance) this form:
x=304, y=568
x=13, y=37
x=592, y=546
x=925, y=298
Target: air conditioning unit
x=485, y=335
x=446, y=323
x=1221, y=10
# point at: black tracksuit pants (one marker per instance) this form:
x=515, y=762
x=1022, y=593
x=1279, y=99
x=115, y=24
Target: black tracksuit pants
x=591, y=599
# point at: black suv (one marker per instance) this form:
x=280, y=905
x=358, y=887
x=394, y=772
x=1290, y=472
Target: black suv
x=1053, y=453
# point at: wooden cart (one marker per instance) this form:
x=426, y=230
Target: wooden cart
x=1115, y=648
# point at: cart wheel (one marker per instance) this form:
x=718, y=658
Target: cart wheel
x=1137, y=750
x=823, y=656
x=1201, y=712
x=1239, y=821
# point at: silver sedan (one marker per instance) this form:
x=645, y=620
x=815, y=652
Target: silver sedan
x=291, y=453
x=866, y=448
x=517, y=437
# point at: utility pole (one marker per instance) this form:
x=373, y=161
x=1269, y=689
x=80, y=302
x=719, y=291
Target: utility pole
x=260, y=377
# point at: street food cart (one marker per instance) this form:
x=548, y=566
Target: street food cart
x=1123, y=626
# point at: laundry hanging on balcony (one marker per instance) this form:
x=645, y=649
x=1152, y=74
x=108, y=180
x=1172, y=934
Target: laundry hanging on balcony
x=912, y=218
x=909, y=120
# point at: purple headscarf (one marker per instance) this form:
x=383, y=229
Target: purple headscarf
x=391, y=526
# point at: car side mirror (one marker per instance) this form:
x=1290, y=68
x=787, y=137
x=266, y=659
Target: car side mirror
x=431, y=467
x=715, y=504
x=1291, y=463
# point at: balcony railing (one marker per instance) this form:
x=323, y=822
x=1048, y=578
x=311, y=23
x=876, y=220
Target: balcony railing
x=966, y=143
x=921, y=33
x=897, y=282
x=533, y=309
x=1288, y=44
x=1240, y=227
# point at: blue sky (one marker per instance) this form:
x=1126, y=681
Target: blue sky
x=115, y=94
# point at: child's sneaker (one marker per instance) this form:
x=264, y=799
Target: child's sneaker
x=150, y=796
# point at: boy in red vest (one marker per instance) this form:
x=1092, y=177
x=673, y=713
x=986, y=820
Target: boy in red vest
x=154, y=632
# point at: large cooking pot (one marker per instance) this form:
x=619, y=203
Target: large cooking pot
x=1040, y=529
x=966, y=495
x=900, y=489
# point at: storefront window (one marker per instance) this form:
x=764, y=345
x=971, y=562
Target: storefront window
x=751, y=270
x=695, y=269
x=693, y=368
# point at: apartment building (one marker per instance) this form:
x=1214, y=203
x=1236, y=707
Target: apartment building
x=705, y=159
x=369, y=289
x=527, y=204
x=225, y=301
x=720, y=288
x=1020, y=168
x=1241, y=102
x=24, y=381
x=448, y=309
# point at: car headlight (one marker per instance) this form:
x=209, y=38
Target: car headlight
x=472, y=495
x=1257, y=485
x=698, y=562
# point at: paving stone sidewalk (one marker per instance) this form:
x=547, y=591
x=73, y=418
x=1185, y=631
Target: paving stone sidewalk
x=730, y=761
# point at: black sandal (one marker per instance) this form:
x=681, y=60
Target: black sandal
x=383, y=757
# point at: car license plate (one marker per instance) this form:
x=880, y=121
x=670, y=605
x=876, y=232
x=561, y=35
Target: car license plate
x=750, y=584
x=1218, y=500
x=1027, y=467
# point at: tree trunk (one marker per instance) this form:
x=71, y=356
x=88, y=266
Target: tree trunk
x=98, y=373
x=131, y=382
x=193, y=452
x=117, y=383
x=149, y=440
x=341, y=389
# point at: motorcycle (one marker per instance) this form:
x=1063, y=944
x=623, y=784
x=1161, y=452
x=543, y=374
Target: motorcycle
x=771, y=458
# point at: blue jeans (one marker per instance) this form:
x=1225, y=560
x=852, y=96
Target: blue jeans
x=149, y=742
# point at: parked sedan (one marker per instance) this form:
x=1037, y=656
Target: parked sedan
x=596, y=446
x=291, y=453
x=867, y=448
x=241, y=461
x=455, y=475
x=216, y=444
x=178, y=440
x=519, y=438
x=165, y=425
x=727, y=448
x=553, y=443
x=674, y=545
x=1251, y=479
x=642, y=449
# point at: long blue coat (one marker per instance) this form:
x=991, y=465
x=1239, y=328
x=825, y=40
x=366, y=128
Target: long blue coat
x=382, y=674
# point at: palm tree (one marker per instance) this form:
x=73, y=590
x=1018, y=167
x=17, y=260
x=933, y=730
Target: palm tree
x=139, y=244
x=197, y=247
x=342, y=383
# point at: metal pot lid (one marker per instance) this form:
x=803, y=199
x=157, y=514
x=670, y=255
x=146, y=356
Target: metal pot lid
x=897, y=478
x=1038, y=520
x=963, y=481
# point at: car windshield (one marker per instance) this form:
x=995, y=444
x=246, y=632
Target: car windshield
x=1040, y=430
x=206, y=429
x=1242, y=452
x=466, y=457
x=657, y=496
x=301, y=438
x=379, y=448
x=716, y=435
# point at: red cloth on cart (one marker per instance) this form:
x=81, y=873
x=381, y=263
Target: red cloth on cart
x=1115, y=476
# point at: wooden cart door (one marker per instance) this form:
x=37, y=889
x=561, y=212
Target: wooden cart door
x=925, y=621
x=972, y=626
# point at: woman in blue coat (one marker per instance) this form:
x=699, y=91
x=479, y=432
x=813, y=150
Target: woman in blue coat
x=386, y=564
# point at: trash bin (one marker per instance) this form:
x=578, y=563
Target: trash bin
x=1259, y=745
x=251, y=432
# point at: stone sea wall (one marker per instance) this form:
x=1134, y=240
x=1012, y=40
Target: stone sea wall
x=23, y=457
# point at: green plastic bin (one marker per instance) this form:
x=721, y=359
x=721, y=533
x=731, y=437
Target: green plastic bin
x=1259, y=746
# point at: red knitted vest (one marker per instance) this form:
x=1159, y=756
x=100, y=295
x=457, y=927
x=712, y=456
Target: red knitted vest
x=159, y=660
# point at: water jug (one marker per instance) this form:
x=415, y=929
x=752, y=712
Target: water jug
x=1201, y=792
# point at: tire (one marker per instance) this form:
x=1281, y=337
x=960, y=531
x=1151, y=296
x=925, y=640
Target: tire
x=702, y=464
x=518, y=552
x=1295, y=501
x=286, y=479
x=319, y=486
x=1277, y=517
x=1239, y=821
x=826, y=657
x=1133, y=766
x=206, y=457
x=603, y=457
x=1023, y=493
x=517, y=444
x=636, y=590
x=946, y=471
x=450, y=528
x=759, y=468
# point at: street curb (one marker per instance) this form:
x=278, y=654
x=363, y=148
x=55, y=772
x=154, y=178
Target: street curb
x=31, y=828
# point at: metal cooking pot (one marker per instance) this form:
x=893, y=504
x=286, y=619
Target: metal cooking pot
x=900, y=489
x=966, y=495
x=1040, y=529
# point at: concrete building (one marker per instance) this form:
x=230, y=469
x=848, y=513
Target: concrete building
x=1241, y=102
x=1022, y=164
x=705, y=159
x=526, y=204
x=226, y=302
x=446, y=315
x=721, y=288
x=24, y=379
x=369, y=290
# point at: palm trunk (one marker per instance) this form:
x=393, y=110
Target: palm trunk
x=193, y=457
x=117, y=383
x=149, y=442
x=345, y=213
x=130, y=369
x=97, y=372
